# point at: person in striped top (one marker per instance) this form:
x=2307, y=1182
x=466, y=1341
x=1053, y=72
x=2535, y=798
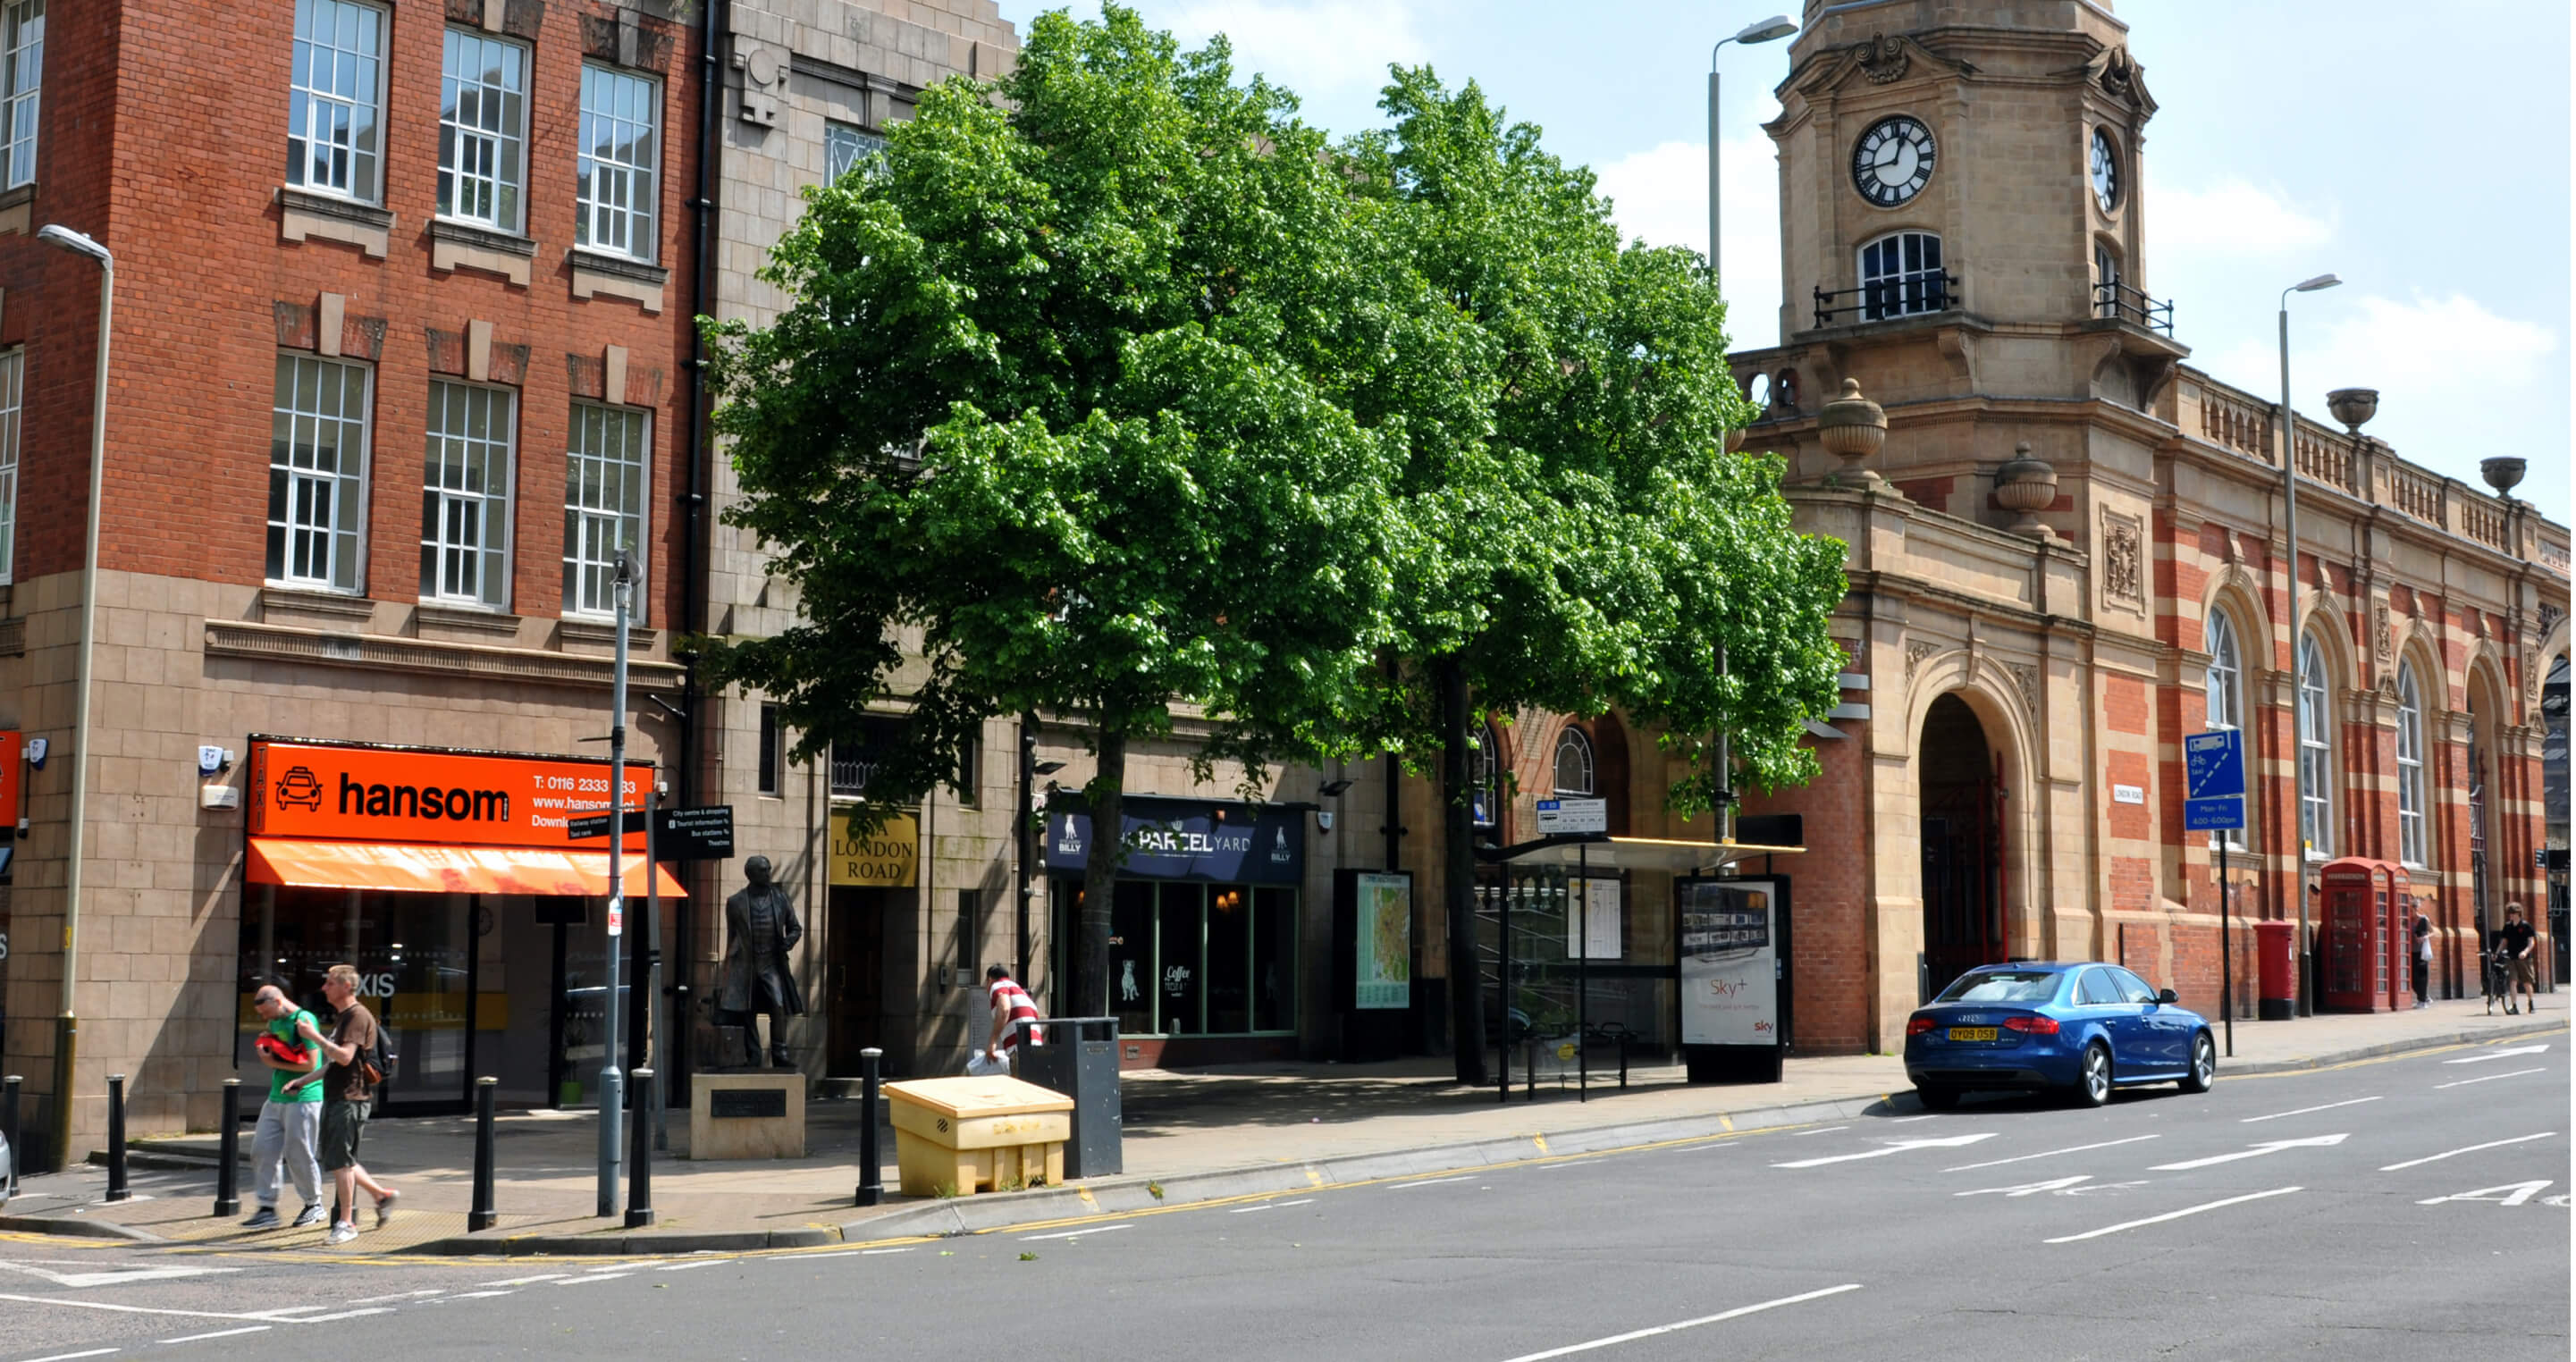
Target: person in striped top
x=1011, y=1003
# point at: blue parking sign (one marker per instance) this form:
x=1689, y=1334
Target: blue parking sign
x=2213, y=764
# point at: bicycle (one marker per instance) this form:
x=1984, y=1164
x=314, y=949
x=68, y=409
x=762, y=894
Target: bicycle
x=2496, y=979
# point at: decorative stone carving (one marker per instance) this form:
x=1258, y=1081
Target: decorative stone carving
x=1916, y=650
x=2119, y=74
x=1852, y=428
x=2027, y=484
x=2123, y=565
x=2382, y=635
x=1883, y=58
x=2026, y=680
x=764, y=80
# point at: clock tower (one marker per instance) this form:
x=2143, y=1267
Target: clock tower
x=1961, y=204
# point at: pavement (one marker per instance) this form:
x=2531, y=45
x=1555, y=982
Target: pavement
x=2380, y=1209
x=1191, y=1137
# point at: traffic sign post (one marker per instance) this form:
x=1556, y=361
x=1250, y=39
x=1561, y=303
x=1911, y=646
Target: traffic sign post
x=1573, y=815
x=2214, y=801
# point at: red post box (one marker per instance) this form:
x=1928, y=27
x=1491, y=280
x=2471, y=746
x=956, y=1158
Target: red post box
x=2276, y=965
x=2365, y=940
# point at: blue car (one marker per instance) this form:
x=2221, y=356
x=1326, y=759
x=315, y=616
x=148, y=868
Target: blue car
x=2081, y=1028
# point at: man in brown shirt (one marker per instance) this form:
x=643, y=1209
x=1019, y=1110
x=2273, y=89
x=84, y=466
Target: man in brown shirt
x=346, y=1094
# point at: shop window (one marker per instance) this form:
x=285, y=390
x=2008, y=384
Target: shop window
x=1191, y=959
x=1573, y=762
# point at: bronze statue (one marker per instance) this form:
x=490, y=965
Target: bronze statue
x=760, y=929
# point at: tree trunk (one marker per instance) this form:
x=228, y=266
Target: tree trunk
x=1107, y=797
x=1458, y=877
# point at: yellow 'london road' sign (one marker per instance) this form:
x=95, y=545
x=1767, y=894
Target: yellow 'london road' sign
x=888, y=858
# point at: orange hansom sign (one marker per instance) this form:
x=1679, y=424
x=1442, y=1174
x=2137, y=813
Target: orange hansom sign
x=355, y=793
x=10, y=776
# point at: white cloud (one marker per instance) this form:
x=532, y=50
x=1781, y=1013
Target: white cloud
x=2234, y=216
x=1320, y=47
x=1661, y=196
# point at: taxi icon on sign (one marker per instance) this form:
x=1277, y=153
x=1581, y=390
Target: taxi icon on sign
x=300, y=786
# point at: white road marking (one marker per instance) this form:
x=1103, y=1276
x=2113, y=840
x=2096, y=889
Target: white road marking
x=2516, y=1194
x=523, y=1281
x=2497, y=1054
x=2031, y=1188
x=1076, y=1234
x=1570, y=1163
x=1893, y=1147
x=404, y=1295
x=1246, y=1210
x=133, y=1309
x=2483, y=1078
x=479, y=1295
x=1736, y=1313
x=803, y=1257
x=67, y=1357
x=1428, y=1182
x=683, y=1267
x=2303, y=1110
x=2171, y=1215
x=1301, y=1201
x=1824, y=1130
x=111, y=1277
x=221, y=1333
x=345, y=1314
x=2049, y=1154
x=2254, y=1151
x=871, y=1253
x=2491, y=1144
x=1933, y=1116
x=595, y=1277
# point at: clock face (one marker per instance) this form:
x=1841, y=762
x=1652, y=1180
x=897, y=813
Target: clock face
x=1893, y=161
x=2106, y=171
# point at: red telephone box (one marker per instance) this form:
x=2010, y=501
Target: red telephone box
x=2366, y=941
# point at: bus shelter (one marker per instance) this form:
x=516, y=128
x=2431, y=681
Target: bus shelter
x=1591, y=943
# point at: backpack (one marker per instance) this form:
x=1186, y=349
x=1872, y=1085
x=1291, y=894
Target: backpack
x=379, y=1061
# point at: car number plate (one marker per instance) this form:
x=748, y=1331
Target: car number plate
x=1972, y=1033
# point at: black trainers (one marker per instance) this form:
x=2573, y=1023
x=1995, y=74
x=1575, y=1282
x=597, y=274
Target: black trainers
x=310, y=1215
x=265, y=1218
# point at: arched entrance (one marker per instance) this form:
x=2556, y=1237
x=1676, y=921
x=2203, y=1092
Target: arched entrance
x=1962, y=804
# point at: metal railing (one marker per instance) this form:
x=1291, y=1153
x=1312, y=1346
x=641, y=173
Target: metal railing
x=2116, y=301
x=1908, y=295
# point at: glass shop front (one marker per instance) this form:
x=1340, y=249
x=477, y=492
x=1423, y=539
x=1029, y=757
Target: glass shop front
x=449, y=881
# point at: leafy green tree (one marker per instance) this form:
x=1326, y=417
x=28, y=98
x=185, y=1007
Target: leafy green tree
x=1056, y=423
x=1594, y=546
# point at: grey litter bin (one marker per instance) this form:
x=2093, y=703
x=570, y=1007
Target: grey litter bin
x=1080, y=1060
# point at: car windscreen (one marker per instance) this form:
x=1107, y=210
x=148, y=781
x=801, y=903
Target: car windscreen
x=2002, y=986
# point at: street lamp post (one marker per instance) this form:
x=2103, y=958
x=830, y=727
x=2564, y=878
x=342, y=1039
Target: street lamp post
x=2298, y=694
x=612, y=1080
x=1776, y=27
x=67, y=1025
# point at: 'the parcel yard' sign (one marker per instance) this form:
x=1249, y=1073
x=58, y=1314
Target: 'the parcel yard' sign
x=1188, y=839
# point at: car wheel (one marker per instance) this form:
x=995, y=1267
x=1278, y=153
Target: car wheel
x=2204, y=1064
x=2093, y=1076
x=1936, y=1099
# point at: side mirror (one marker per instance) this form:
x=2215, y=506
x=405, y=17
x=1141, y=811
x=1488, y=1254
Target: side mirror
x=2166, y=995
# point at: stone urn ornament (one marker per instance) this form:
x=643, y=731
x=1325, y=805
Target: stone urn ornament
x=1851, y=428
x=2027, y=484
x=2504, y=473
x=2353, y=406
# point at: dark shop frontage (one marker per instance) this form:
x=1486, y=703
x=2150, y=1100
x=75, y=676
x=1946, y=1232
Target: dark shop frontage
x=1203, y=954
x=447, y=879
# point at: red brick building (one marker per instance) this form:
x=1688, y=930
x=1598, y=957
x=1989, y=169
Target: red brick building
x=401, y=327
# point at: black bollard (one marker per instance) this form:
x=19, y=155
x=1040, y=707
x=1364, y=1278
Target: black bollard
x=228, y=1152
x=116, y=1190
x=9, y=1128
x=1623, y=1060
x=871, y=1166
x=479, y=1216
x=639, y=1162
x=1529, y=1069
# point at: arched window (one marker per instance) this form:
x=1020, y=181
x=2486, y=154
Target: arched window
x=1900, y=275
x=2226, y=694
x=1573, y=762
x=1488, y=778
x=2316, y=751
x=2410, y=767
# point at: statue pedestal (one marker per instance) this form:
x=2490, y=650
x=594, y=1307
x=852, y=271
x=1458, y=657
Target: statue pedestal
x=749, y=1114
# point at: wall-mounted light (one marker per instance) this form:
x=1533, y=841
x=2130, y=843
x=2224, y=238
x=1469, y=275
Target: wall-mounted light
x=1047, y=768
x=1333, y=789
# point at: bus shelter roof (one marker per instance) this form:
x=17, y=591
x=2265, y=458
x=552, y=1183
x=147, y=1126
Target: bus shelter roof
x=1601, y=852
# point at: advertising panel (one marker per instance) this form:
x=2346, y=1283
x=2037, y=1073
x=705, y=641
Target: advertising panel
x=1729, y=953
x=1383, y=949
x=350, y=793
x=1594, y=932
x=1188, y=839
x=888, y=858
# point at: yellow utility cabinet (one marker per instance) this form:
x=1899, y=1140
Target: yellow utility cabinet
x=959, y=1136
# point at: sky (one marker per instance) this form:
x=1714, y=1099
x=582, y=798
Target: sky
x=2420, y=152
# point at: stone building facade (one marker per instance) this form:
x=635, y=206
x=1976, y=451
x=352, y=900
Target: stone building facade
x=354, y=407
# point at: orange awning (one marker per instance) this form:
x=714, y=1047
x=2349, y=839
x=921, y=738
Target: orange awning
x=443, y=870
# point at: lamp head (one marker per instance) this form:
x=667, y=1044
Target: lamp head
x=1333, y=788
x=1046, y=768
x=2312, y=285
x=1773, y=29
x=55, y=234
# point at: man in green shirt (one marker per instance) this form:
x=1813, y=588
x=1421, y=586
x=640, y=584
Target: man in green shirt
x=290, y=1121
